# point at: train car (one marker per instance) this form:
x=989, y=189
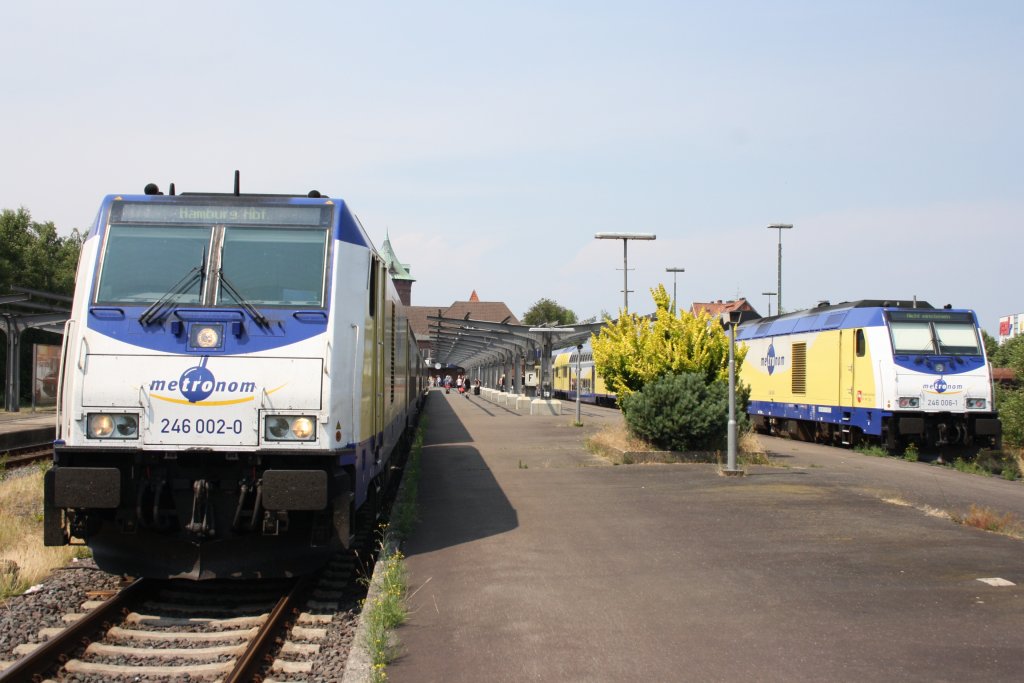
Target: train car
x=895, y=372
x=565, y=381
x=238, y=374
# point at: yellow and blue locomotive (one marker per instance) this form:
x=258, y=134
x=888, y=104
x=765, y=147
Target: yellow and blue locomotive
x=897, y=372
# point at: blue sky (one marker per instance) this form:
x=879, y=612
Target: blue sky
x=493, y=139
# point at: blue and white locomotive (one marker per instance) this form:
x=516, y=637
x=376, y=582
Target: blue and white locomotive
x=895, y=372
x=237, y=372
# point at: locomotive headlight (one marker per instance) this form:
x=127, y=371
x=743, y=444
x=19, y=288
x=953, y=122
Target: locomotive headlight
x=277, y=428
x=302, y=428
x=976, y=404
x=113, y=426
x=289, y=428
x=101, y=426
x=126, y=426
x=206, y=336
x=909, y=401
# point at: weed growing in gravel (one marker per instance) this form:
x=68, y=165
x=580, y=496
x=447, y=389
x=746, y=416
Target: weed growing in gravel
x=383, y=612
x=910, y=453
x=384, y=609
x=404, y=515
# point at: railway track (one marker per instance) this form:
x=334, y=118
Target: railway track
x=28, y=454
x=227, y=631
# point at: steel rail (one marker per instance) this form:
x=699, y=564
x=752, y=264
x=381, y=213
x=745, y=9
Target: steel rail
x=53, y=653
x=248, y=664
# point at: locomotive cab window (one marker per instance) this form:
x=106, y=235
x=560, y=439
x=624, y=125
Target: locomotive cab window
x=275, y=266
x=933, y=333
x=957, y=339
x=141, y=264
x=861, y=344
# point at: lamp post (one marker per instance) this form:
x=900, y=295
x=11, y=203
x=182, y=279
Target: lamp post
x=731, y=319
x=625, y=237
x=674, y=271
x=769, y=295
x=780, y=227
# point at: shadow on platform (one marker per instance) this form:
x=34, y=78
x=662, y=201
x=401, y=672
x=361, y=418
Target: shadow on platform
x=459, y=499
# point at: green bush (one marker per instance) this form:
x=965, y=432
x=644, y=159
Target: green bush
x=1010, y=404
x=684, y=412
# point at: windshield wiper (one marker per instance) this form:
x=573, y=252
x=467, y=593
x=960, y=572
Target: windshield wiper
x=157, y=311
x=260, y=319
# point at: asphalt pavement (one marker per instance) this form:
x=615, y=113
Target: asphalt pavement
x=535, y=560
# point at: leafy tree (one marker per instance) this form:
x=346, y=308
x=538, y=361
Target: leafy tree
x=1010, y=404
x=633, y=350
x=991, y=345
x=546, y=311
x=1010, y=400
x=34, y=256
x=1010, y=354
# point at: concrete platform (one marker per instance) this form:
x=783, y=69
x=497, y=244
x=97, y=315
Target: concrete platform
x=536, y=561
x=26, y=428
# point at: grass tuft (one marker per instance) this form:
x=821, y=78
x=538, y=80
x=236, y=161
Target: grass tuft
x=24, y=560
x=871, y=449
x=385, y=606
x=987, y=519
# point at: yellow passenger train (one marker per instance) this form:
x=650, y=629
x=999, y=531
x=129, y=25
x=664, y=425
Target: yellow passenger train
x=566, y=380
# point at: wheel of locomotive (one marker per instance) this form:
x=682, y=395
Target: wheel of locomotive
x=891, y=441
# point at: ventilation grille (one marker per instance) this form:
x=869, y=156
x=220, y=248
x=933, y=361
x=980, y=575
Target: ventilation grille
x=799, y=376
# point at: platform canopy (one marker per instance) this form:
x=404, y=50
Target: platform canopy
x=22, y=310
x=474, y=344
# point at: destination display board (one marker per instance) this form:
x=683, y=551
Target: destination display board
x=932, y=316
x=219, y=214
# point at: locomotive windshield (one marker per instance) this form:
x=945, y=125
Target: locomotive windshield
x=277, y=256
x=933, y=333
x=275, y=266
x=141, y=264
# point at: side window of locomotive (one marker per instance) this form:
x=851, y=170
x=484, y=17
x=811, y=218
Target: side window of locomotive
x=373, y=287
x=861, y=344
x=275, y=266
x=143, y=263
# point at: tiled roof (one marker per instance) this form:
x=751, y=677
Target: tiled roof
x=717, y=308
x=493, y=311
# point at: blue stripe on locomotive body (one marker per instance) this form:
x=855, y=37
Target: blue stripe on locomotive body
x=868, y=420
x=288, y=325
